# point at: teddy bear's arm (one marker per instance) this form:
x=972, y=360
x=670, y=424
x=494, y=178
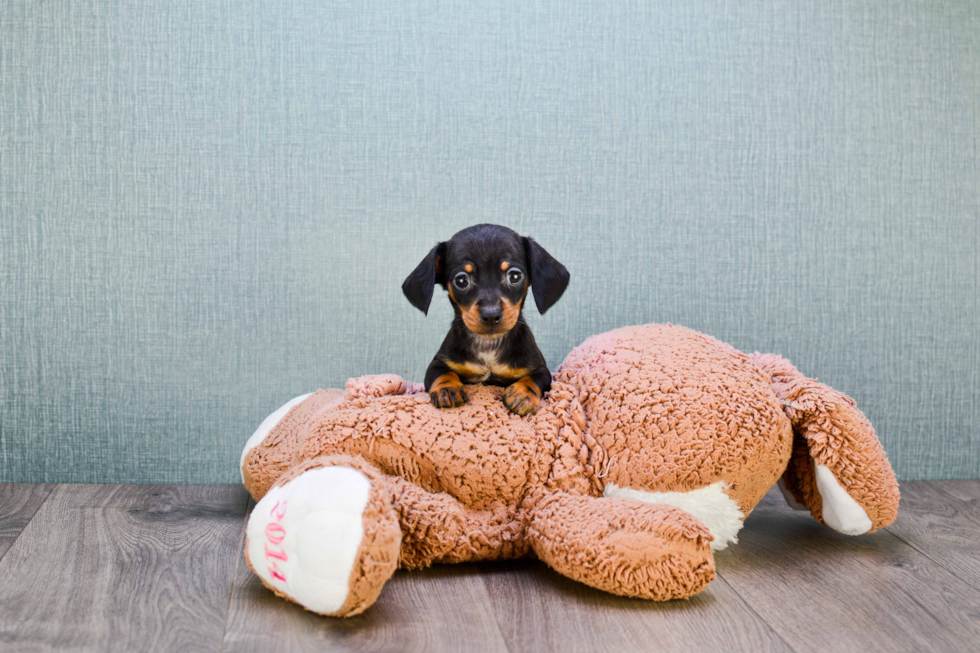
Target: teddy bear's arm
x=437, y=528
x=378, y=385
x=653, y=551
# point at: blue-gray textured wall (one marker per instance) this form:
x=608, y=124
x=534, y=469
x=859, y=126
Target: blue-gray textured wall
x=208, y=207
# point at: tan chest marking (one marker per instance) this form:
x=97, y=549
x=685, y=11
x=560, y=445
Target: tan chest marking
x=478, y=372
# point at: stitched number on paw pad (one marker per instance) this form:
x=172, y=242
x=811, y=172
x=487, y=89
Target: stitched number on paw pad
x=274, y=535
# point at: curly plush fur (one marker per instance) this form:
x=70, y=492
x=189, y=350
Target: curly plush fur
x=652, y=446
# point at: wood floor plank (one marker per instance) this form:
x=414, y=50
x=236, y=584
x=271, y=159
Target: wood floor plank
x=539, y=610
x=152, y=568
x=123, y=568
x=445, y=608
x=966, y=491
x=942, y=526
x=18, y=503
x=822, y=591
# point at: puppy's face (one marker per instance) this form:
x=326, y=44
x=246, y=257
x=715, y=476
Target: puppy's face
x=487, y=270
x=487, y=280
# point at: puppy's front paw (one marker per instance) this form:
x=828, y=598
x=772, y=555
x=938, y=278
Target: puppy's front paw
x=522, y=397
x=447, y=391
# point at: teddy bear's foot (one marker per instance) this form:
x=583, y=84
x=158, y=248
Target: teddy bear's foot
x=809, y=485
x=650, y=551
x=325, y=536
x=838, y=469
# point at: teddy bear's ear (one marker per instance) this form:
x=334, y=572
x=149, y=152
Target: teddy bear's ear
x=418, y=286
x=549, y=278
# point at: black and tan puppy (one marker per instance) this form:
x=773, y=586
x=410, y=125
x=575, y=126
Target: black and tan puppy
x=487, y=270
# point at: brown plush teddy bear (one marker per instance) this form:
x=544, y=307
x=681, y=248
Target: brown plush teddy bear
x=653, y=445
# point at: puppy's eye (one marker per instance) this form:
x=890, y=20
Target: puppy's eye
x=462, y=281
x=515, y=276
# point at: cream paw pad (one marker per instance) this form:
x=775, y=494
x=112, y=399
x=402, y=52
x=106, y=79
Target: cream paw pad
x=324, y=536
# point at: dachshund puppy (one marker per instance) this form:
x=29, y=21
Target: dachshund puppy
x=487, y=270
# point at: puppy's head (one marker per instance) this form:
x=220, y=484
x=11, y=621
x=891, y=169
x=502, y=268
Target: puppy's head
x=487, y=270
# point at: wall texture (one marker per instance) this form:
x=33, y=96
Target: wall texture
x=207, y=208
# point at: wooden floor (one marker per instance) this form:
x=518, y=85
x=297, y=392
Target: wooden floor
x=160, y=567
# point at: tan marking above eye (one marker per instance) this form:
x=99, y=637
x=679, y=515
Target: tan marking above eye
x=504, y=266
x=468, y=267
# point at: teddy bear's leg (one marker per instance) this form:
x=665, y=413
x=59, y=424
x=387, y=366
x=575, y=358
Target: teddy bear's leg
x=838, y=469
x=651, y=551
x=437, y=528
x=268, y=453
x=325, y=535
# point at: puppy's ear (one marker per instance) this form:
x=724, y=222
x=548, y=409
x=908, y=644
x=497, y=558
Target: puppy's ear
x=418, y=286
x=549, y=278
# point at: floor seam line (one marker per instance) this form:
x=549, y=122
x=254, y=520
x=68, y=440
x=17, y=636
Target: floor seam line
x=54, y=486
x=751, y=609
x=234, y=573
x=930, y=558
x=493, y=609
x=970, y=510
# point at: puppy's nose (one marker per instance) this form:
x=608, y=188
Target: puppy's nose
x=490, y=315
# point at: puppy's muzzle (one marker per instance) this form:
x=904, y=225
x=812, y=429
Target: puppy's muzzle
x=491, y=315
